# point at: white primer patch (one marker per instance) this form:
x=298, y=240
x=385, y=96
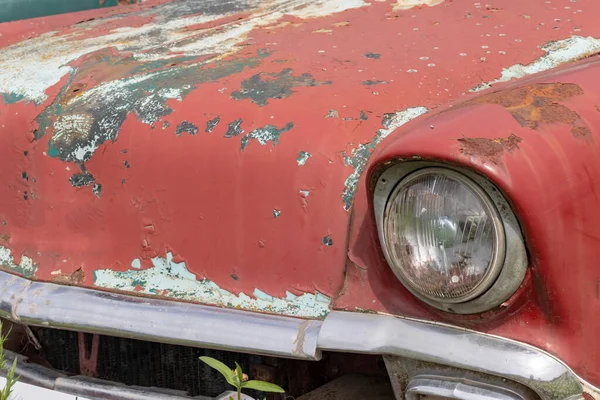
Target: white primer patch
x=32, y=66
x=408, y=4
x=26, y=267
x=174, y=280
x=557, y=53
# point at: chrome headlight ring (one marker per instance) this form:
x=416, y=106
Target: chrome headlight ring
x=509, y=262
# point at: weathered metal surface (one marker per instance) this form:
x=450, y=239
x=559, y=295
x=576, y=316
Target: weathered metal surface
x=225, y=142
x=549, y=173
x=20, y=9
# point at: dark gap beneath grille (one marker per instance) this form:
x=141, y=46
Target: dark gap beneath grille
x=148, y=364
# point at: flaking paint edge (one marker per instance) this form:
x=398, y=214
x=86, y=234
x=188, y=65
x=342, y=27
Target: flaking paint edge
x=359, y=156
x=30, y=67
x=558, y=52
x=171, y=279
x=26, y=267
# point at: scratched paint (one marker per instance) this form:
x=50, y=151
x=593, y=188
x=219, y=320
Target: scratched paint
x=303, y=157
x=355, y=46
x=29, y=68
x=268, y=133
x=558, y=52
x=25, y=267
x=280, y=85
x=82, y=121
x=359, y=156
x=171, y=279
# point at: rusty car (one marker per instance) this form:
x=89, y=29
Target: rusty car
x=368, y=198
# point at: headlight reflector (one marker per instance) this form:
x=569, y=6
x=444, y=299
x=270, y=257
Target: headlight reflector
x=443, y=235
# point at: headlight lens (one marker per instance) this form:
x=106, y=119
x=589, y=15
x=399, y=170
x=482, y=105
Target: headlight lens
x=443, y=235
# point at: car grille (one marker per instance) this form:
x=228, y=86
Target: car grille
x=148, y=364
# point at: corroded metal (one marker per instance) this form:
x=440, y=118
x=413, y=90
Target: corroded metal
x=235, y=138
x=43, y=304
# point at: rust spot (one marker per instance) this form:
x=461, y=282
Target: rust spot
x=580, y=131
x=489, y=149
x=538, y=104
x=299, y=342
x=76, y=278
x=5, y=238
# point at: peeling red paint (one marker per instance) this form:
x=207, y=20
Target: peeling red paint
x=550, y=181
x=211, y=204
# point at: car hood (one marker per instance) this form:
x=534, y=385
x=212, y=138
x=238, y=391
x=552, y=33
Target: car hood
x=210, y=150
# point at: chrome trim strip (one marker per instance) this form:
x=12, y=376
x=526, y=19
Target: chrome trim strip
x=83, y=386
x=446, y=345
x=92, y=388
x=458, y=389
x=80, y=309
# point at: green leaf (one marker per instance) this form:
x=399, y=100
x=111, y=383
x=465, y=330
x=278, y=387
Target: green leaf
x=263, y=386
x=222, y=368
x=240, y=374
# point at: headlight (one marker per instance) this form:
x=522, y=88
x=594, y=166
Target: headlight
x=449, y=235
x=443, y=235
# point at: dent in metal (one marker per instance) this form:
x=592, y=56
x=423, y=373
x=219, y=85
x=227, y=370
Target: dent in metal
x=268, y=133
x=359, y=156
x=171, y=279
x=26, y=266
x=557, y=53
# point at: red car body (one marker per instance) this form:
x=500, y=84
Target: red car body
x=238, y=147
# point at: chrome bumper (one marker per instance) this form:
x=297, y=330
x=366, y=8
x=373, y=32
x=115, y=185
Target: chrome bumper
x=84, y=388
x=66, y=307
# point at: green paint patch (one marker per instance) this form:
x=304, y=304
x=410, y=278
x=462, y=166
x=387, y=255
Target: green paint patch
x=260, y=88
x=303, y=156
x=26, y=266
x=81, y=124
x=359, y=156
x=173, y=280
x=10, y=98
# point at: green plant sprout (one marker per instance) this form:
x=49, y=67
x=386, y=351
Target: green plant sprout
x=238, y=379
x=11, y=379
